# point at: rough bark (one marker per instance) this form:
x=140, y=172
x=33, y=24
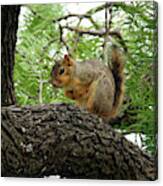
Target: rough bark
x=9, y=25
x=63, y=140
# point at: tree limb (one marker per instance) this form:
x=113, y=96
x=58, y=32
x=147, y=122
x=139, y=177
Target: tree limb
x=63, y=140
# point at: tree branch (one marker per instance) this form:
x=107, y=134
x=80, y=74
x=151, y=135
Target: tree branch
x=100, y=33
x=64, y=140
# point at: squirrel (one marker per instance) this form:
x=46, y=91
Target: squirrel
x=93, y=85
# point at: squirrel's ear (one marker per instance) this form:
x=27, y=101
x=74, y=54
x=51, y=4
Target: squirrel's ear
x=68, y=61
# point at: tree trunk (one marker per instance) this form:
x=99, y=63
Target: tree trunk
x=64, y=140
x=9, y=25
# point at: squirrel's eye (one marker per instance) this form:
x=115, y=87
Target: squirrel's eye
x=61, y=71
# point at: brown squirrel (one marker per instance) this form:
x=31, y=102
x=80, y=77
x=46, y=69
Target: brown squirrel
x=93, y=85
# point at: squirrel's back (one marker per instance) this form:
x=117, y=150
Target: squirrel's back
x=92, y=70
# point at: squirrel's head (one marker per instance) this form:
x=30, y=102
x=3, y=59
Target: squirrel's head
x=61, y=72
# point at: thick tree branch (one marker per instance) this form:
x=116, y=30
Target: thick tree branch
x=63, y=140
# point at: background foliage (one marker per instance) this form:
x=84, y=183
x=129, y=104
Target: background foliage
x=39, y=45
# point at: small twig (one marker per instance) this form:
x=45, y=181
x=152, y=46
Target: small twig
x=82, y=31
x=94, y=23
x=91, y=32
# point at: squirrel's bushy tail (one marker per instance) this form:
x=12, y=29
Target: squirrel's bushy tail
x=118, y=74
